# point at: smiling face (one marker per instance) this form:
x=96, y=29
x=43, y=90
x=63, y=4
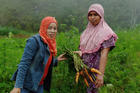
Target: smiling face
x=52, y=30
x=94, y=18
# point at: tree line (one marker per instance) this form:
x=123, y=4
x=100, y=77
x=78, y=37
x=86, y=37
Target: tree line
x=27, y=14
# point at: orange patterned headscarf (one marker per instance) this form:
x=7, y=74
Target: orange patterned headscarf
x=43, y=28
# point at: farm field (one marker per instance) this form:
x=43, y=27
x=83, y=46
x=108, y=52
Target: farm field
x=122, y=72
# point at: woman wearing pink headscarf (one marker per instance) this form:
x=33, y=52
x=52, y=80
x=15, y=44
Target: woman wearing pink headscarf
x=95, y=43
x=35, y=69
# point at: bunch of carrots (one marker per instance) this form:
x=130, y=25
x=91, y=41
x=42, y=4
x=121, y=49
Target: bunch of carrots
x=87, y=73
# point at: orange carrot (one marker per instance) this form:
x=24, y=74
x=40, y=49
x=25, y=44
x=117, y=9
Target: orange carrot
x=77, y=77
x=86, y=82
x=89, y=76
x=82, y=73
x=95, y=70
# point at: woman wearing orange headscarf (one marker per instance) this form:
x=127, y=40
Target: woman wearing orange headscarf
x=35, y=68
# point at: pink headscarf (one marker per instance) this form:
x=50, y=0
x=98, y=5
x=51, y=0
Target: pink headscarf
x=93, y=36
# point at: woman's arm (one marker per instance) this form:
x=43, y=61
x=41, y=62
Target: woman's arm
x=25, y=62
x=103, y=60
x=102, y=65
x=29, y=52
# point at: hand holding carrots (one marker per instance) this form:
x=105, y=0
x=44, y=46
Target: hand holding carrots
x=61, y=57
x=99, y=81
x=78, y=52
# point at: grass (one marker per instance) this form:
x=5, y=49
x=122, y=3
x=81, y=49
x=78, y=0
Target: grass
x=122, y=71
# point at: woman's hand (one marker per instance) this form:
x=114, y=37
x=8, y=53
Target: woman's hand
x=99, y=80
x=16, y=90
x=61, y=57
x=78, y=52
